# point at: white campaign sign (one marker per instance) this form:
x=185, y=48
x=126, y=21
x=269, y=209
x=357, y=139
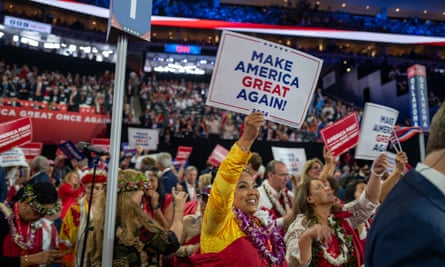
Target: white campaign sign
x=376, y=128
x=146, y=138
x=294, y=158
x=252, y=74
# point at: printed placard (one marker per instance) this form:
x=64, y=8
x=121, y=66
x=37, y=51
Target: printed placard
x=294, y=158
x=183, y=153
x=101, y=143
x=13, y=157
x=342, y=135
x=376, y=129
x=252, y=74
x=32, y=149
x=217, y=156
x=70, y=151
x=148, y=139
x=14, y=133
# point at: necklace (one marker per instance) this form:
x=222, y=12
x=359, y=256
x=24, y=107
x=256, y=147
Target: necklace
x=266, y=238
x=275, y=203
x=17, y=234
x=344, y=241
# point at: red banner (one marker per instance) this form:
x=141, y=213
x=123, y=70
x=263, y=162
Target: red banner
x=32, y=149
x=342, y=135
x=50, y=127
x=14, y=133
x=183, y=153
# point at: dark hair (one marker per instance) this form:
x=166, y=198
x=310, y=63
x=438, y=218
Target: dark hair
x=334, y=183
x=350, y=189
x=160, y=190
x=255, y=161
x=45, y=193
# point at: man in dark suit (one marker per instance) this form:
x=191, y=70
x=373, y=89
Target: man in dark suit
x=168, y=178
x=409, y=228
x=39, y=169
x=189, y=182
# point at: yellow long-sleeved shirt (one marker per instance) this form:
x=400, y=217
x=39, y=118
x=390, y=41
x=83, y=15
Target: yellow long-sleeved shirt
x=219, y=228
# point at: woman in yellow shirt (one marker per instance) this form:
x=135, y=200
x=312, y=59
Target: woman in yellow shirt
x=231, y=235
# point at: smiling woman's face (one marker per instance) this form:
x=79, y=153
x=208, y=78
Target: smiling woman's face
x=246, y=196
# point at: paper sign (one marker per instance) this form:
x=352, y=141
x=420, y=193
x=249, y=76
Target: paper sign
x=376, y=129
x=15, y=133
x=183, y=153
x=13, y=157
x=294, y=158
x=101, y=143
x=32, y=149
x=342, y=135
x=148, y=139
x=71, y=151
x=217, y=156
x=252, y=74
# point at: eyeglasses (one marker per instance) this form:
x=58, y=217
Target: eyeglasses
x=316, y=168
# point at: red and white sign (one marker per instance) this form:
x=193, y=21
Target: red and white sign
x=101, y=143
x=15, y=133
x=32, y=149
x=183, y=153
x=342, y=135
x=217, y=156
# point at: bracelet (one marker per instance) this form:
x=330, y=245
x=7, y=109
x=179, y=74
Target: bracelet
x=374, y=173
x=158, y=206
x=26, y=259
x=243, y=148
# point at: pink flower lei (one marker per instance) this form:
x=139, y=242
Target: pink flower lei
x=260, y=235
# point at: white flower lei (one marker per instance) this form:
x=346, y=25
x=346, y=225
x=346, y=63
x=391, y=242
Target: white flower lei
x=276, y=204
x=343, y=257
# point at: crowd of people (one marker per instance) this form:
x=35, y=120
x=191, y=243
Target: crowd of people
x=168, y=216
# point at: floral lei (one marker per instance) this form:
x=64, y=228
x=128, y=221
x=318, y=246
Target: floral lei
x=261, y=234
x=346, y=256
x=16, y=237
x=276, y=204
x=139, y=182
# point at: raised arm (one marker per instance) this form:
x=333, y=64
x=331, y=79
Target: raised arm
x=329, y=165
x=221, y=197
x=387, y=185
x=378, y=168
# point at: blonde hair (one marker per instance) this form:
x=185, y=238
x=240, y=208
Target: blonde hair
x=67, y=179
x=307, y=166
x=204, y=180
x=129, y=217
